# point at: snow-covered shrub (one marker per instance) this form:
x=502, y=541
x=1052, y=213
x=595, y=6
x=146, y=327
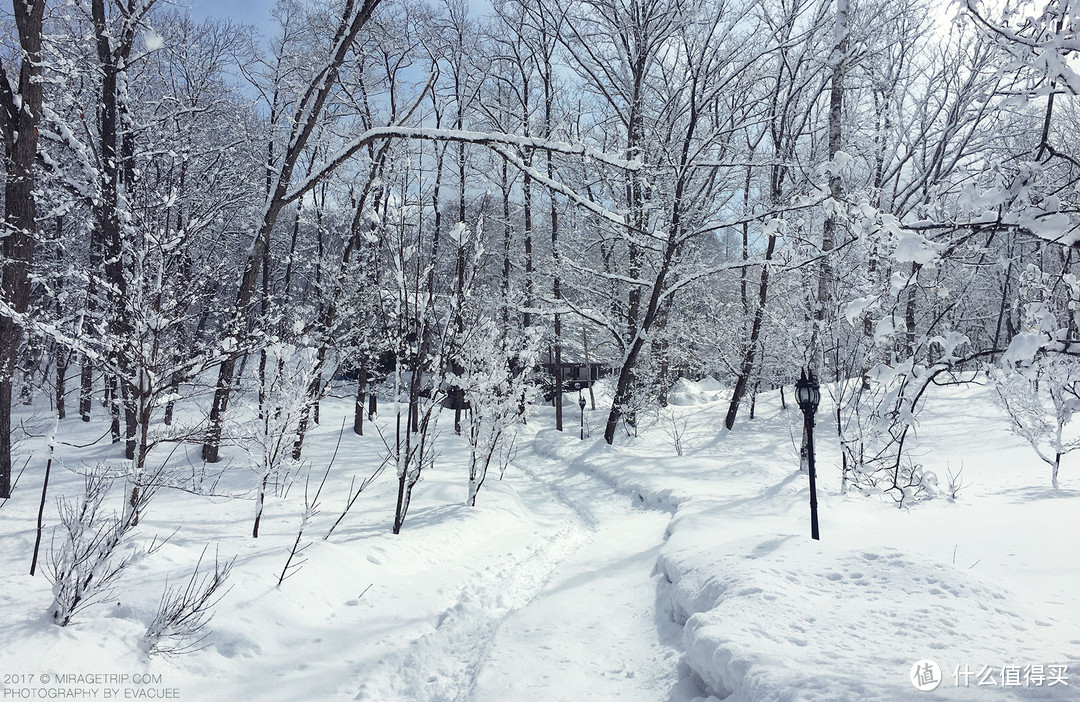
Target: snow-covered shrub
x=877, y=416
x=184, y=612
x=1040, y=400
x=85, y=563
x=877, y=419
x=417, y=324
x=496, y=390
x=311, y=508
x=284, y=385
x=675, y=428
x=955, y=483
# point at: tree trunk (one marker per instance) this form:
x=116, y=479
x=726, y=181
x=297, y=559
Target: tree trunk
x=458, y=394
x=588, y=365
x=313, y=391
x=131, y=420
x=661, y=351
x=624, y=385
x=62, y=358
x=86, y=387
x=61, y=355
x=358, y=409
x=260, y=501
x=112, y=391
x=639, y=330
x=41, y=504
x=19, y=116
x=823, y=311
x=909, y=311
x=526, y=315
x=507, y=236
x=746, y=370
x=117, y=169
x=244, y=295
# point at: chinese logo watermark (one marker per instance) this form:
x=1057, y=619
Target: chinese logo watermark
x=925, y=675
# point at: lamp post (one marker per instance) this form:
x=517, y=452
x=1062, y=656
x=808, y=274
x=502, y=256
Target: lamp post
x=807, y=394
x=581, y=404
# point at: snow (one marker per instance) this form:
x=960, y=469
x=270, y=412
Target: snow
x=153, y=40
x=841, y=161
x=857, y=307
x=914, y=248
x=686, y=392
x=588, y=571
x=1054, y=227
x=949, y=343
x=1022, y=348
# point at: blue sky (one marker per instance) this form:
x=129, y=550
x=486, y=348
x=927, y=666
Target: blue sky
x=255, y=12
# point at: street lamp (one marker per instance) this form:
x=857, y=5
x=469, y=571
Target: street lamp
x=581, y=404
x=807, y=394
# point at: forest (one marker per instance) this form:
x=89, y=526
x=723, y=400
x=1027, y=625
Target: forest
x=452, y=210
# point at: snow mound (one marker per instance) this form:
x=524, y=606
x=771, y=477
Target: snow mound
x=689, y=392
x=776, y=618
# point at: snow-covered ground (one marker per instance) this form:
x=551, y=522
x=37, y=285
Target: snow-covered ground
x=587, y=572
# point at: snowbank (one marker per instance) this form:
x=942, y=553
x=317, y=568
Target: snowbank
x=688, y=392
x=773, y=618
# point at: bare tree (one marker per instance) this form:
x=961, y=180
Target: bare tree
x=306, y=115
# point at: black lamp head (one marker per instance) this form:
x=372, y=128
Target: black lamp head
x=807, y=392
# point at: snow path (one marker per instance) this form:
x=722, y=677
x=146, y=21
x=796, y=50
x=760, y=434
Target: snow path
x=592, y=632
x=579, y=606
